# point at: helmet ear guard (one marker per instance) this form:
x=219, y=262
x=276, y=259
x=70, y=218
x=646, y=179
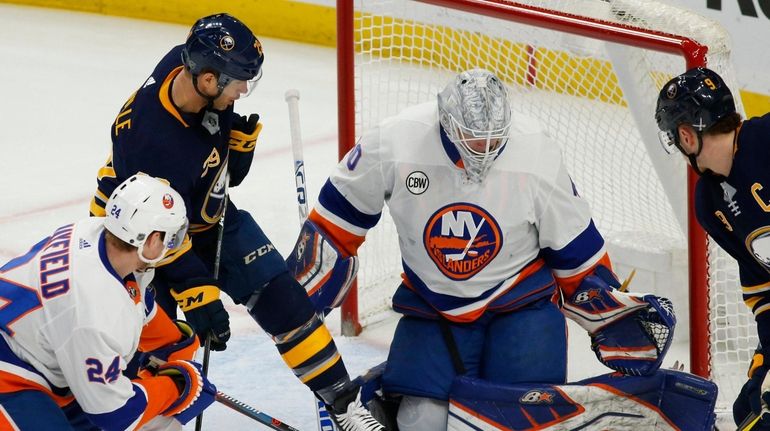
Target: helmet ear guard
x=142, y=205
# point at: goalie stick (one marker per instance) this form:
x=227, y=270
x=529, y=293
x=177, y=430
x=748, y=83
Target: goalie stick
x=239, y=406
x=750, y=421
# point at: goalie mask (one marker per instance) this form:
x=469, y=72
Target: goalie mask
x=475, y=114
x=142, y=205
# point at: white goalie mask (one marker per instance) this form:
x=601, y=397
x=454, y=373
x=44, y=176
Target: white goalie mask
x=142, y=205
x=475, y=114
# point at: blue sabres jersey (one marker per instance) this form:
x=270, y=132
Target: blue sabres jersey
x=735, y=211
x=151, y=135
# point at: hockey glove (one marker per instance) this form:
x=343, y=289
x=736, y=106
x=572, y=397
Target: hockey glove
x=755, y=394
x=317, y=264
x=195, y=391
x=629, y=333
x=199, y=300
x=184, y=349
x=244, y=133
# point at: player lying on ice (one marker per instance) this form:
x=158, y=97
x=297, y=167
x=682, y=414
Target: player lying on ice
x=75, y=310
x=497, y=247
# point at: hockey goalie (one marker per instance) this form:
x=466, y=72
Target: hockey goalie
x=497, y=248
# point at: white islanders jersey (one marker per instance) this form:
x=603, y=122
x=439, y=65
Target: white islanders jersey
x=67, y=313
x=463, y=244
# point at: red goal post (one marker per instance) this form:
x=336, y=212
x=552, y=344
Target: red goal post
x=359, y=46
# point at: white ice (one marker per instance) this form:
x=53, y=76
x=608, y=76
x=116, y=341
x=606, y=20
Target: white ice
x=63, y=78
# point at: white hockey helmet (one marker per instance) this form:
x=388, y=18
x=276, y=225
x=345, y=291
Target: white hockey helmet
x=476, y=116
x=142, y=205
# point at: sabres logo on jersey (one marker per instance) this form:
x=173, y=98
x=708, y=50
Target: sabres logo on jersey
x=758, y=243
x=462, y=239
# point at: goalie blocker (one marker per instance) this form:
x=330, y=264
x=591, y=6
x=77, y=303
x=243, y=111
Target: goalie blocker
x=317, y=264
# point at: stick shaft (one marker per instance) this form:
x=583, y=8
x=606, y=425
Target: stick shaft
x=292, y=99
x=217, y=259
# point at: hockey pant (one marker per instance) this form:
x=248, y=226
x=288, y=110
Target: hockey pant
x=525, y=345
x=248, y=260
x=666, y=401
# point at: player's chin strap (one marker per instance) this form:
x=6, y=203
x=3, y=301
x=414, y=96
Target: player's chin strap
x=220, y=89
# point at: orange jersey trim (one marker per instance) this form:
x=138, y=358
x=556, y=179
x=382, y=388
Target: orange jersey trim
x=159, y=332
x=165, y=100
x=161, y=393
x=569, y=284
x=10, y=382
x=347, y=242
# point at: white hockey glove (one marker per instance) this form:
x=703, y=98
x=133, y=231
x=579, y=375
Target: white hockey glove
x=629, y=333
x=320, y=268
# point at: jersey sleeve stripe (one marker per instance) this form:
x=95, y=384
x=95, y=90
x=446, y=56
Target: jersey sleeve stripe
x=337, y=204
x=579, y=251
x=531, y=283
x=137, y=411
x=343, y=239
x=569, y=283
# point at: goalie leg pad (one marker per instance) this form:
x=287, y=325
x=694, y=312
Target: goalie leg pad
x=317, y=264
x=669, y=400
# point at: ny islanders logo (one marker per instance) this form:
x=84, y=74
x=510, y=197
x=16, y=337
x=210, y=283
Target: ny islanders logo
x=462, y=239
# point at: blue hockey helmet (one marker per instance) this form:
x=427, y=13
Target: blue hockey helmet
x=221, y=43
x=698, y=98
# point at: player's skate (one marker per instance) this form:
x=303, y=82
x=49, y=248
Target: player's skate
x=349, y=414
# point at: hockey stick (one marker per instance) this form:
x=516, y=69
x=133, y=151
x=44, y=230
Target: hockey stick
x=217, y=258
x=292, y=98
x=239, y=406
x=751, y=420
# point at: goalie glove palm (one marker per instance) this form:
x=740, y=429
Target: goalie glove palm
x=629, y=333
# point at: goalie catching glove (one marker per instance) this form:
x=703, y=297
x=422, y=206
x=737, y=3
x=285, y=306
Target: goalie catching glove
x=317, y=264
x=629, y=333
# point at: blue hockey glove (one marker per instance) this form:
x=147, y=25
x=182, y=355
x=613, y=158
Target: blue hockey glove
x=199, y=300
x=755, y=394
x=195, y=391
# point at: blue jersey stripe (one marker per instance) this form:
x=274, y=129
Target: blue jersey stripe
x=577, y=252
x=121, y=418
x=334, y=201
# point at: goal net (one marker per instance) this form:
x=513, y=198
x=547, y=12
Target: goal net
x=589, y=71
